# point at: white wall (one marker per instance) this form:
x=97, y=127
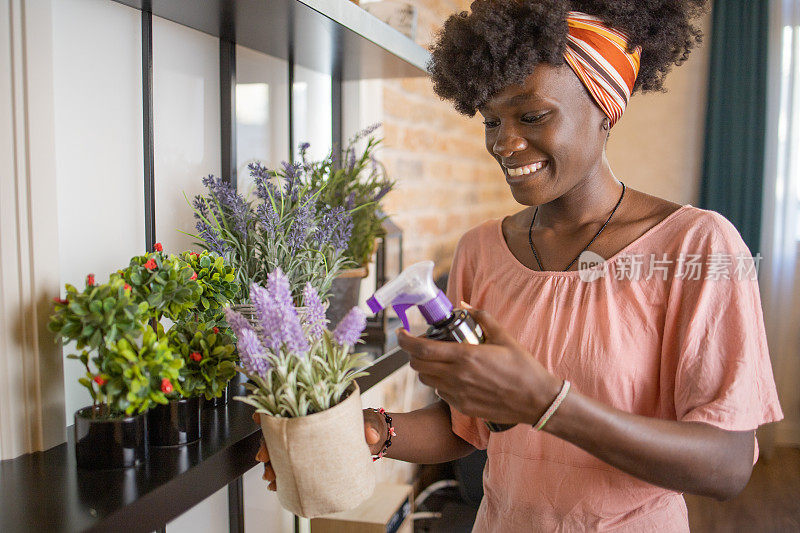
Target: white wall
x=311, y=101
x=208, y=516
x=262, y=510
x=98, y=134
x=262, y=112
x=186, y=123
x=657, y=146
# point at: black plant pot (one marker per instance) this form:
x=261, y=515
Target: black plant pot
x=218, y=401
x=106, y=443
x=176, y=423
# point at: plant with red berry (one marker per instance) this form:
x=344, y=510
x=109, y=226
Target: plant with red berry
x=209, y=358
x=165, y=283
x=218, y=285
x=131, y=361
x=123, y=359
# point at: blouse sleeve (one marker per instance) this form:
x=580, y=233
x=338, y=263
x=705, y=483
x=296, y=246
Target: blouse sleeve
x=722, y=370
x=459, y=285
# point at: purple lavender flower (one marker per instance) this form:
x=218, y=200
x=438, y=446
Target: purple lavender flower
x=351, y=159
x=280, y=289
x=259, y=172
x=349, y=330
x=227, y=204
x=340, y=238
x=324, y=230
x=263, y=179
x=335, y=228
x=236, y=321
x=211, y=237
x=199, y=204
x=277, y=314
x=365, y=132
x=381, y=193
x=300, y=228
x=291, y=332
x=267, y=317
x=251, y=354
x=304, y=147
x=207, y=233
x=315, y=312
x=292, y=173
x=268, y=217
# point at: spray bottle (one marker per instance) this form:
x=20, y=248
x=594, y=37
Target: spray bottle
x=414, y=286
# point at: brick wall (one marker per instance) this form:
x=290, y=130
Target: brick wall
x=446, y=180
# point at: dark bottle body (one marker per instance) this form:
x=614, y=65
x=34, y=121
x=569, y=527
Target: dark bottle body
x=462, y=327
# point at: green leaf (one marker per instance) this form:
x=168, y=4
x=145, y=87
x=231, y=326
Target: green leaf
x=96, y=308
x=76, y=308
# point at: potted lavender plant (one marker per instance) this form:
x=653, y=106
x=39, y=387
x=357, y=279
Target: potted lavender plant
x=302, y=383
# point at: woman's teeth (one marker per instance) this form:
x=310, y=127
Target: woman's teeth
x=527, y=169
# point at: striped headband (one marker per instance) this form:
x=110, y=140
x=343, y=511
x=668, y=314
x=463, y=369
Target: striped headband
x=599, y=56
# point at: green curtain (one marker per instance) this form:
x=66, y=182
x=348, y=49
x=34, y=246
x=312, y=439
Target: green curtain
x=736, y=118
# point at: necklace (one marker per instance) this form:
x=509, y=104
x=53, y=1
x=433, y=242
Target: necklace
x=530, y=233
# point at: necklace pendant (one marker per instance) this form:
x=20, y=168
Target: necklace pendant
x=533, y=248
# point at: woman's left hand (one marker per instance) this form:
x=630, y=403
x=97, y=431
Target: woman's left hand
x=498, y=381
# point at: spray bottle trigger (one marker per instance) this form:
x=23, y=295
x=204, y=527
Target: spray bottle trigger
x=400, y=309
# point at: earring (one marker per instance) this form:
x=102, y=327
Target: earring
x=605, y=124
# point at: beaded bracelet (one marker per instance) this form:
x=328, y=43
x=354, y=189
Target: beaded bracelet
x=390, y=433
x=553, y=406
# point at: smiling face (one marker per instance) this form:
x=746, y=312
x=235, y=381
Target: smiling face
x=547, y=134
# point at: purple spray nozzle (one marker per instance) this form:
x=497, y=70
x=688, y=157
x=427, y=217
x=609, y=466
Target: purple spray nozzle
x=374, y=306
x=437, y=309
x=414, y=286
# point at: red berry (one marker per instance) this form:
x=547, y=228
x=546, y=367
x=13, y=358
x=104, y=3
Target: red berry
x=99, y=380
x=61, y=301
x=196, y=356
x=127, y=287
x=90, y=280
x=194, y=276
x=158, y=247
x=216, y=329
x=166, y=386
x=151, y=264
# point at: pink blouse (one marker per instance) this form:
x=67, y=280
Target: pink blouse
x=677, y=335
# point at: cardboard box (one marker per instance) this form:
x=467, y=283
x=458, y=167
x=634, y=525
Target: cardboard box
x=388, y=510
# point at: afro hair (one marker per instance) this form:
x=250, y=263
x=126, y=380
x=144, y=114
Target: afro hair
x=499, y=42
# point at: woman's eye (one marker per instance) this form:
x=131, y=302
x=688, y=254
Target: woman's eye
x=532, y=119
x=491, y=123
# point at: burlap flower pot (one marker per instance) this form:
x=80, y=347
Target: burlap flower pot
x=322, y=462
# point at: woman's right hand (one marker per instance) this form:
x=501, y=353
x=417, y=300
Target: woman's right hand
x=374, y=427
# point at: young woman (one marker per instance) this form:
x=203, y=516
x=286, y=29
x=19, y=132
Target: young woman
x=627, y=387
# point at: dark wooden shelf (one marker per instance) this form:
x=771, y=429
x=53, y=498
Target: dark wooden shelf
x=45, y=491
x=319, y=34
